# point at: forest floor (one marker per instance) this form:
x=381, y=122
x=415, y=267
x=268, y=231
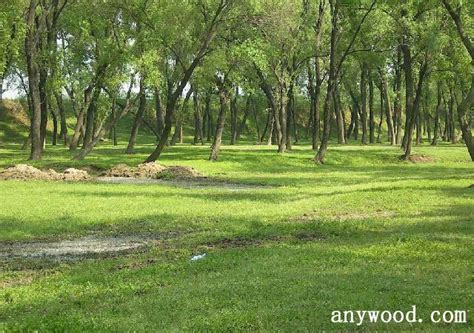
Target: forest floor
x=286, y=243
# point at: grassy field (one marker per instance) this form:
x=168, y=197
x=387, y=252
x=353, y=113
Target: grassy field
x=363, y=232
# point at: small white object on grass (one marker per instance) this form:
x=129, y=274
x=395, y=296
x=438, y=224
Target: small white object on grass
x=198, y=257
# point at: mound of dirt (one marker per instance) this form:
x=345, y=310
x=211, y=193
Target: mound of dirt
x=120, y=170
x=145, y=170
x=421, y=159
x=179, y=172
x=72, y=174
x=24, y=172
x=149, y=170
x=28, y=172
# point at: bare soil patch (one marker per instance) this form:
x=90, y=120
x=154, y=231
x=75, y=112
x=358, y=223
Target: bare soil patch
x=146, y=173
x=142, y=171
x=26, y=172
x=75, y=248
x=152, y=171
x=421, y=159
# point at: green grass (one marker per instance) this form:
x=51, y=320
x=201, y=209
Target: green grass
x=364, y=231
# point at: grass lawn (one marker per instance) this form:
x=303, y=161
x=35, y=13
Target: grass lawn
x=363, y=232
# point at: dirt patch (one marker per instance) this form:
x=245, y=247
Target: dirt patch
x=27, y=172
x=420, y=159
x=179, y=172
x=74, y=249
x=145, y=170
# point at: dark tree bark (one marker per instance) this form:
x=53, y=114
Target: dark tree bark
x=223, y=102
x=78, y=129
x=363, y=101
x=371, y=111
x=355, y=111
x=397, y=104
x=138, y=118
x=464, y=107
x=110, y=123
x=388, y=107
x=267, y=89
x=340, y=123
x=160, y=118
x=90, y=118
x=241, y=128
x=216, y=19
x=382, y=109
x=198, y=135
x=452, y=126
x=233, y=117
x=412, y=100
x=33, y=81
x=54, y=136
x=62, y=116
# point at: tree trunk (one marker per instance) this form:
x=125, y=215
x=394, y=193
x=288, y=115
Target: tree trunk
x=320, y=155
x=54, y=140
x=388, y=107
x=341, y=126
x=198, y=135
x=78, y=129
x=233, y=117
x=90, y=118
x=216, y=146
x=244, y=120
x=138, y=118
x=160, y=118
x=33, y=82
x=382, y=109
x=371, y=111
x=363, y=101
x=62, y=115
x=397, y=104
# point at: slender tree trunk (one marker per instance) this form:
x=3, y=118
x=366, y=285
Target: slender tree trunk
x=254, y=109
x=177, y=134
x=371, y=111
x=198, y=135
x=397, y=105
x=382, y=109
x=388, y=107
x=289, y=117
x=341, y=127
x=363, y=100
x=54, y=140
x=160, y=117
x=452, y=127
x=62, y=115
x=216, y=146
x=439, y=107
x=90, y=118
x=320, y=155
x=33, y=82
x=241, y=128
x=208, y=118
x=78, y=129
x=233, y=117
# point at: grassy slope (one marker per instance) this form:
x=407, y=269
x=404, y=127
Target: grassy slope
x=362, y=232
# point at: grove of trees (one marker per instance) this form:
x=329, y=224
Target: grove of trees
x=396, y=71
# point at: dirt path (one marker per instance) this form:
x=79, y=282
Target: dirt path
x=73, y=249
